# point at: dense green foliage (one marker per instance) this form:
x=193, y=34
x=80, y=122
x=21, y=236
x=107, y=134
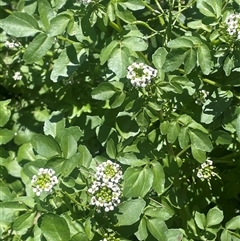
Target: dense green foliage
x=69, y=102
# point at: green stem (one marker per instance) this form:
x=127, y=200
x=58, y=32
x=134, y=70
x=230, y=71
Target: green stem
x=66, y=39
x=159, y=6
x=182, y=151
x=139, y=22
x=141, y=55
x=148, y=7
x=211, y=82
x=115, y=26
x=74, y=200
x=234, y=234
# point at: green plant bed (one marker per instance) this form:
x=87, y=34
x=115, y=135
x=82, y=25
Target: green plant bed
x=120, y=120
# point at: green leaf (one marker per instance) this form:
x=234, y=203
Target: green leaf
x=222, y=137
x=134, y=43
x=132, y=160
x=214, y=217
x=118, y=100
x=174, y=59
x=197, y=24
x=238, y=126
x=234, y=223
x=215, y=105
x=59, y=3
x=46, y=12
x=68, y=61
x=38, y=48
x=204, y=59
x=69, y=164
x=174, y=234
x=126, y=131
x=107, y=51
x=25, y=152
x=55, y=228
x=9, y=211
x=67, y=143
x=142, y=232
x=6, y=136
x=200, y=220
x=111, y=148
x=85, y=156
x=137, y=181
x=190, y=61
x=199, y=155
x=200, y=140
x=157, y=228
x=133, y=5
x=103, y=91
x=129, y=212
x=23, y=223
x=164, y=127
x=58, y=24
x=183, y=137
x=111, y=12
x=55, y=124
x=210, y=8
x=226, y=236
x=158, y=177
x=173, y=131
x=228, y=65
x=5, y=194
x=46, y=146
x=179, y=43
x=161, y=211
x=159, y=57
x=125, y=15
x=20, y=24
x=5, y=113
x=118, y=62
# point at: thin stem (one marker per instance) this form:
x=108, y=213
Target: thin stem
x=66, y=39
x=141, y=55
x=139, y=22
x=182, y=151
x=156, y=201
x=149, y=7
x=115, y=26
x=159, y=6
x=74, y=200
x=211, y=82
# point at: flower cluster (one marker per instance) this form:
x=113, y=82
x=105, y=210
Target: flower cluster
x=110, y=237
x=85, y=2
x=105, y=188
x=200, y=97
x=233, y=25
x=44, y=181
x=17, y=76
x=205, y=172
x=140, y=74
x=11, y=44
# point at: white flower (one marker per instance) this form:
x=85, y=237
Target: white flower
x=105, y=188
x=44, y=181
x=12, y=44
x=200, y=97
x=140, y=74
x=85, y=2
x=205, y=171
x=233, y=24
x=17, y=76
